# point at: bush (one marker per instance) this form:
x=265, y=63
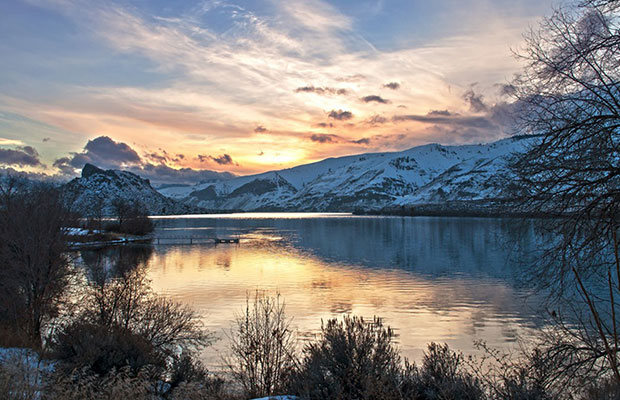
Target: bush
x=190, y=380
x=121, y=324
x=103, y=349
x=35, y=267
x=604, y=389
x=443, y=376
x=132, y=218
x=532, y=375
x=262, y=347
x=21, y=374
x=352, y=360
x=117, y=384
x=128, y=301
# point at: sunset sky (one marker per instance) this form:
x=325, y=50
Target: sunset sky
x=249, y=86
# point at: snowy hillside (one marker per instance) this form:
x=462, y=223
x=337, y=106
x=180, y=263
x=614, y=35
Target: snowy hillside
x=426, y=174
x=98, y=188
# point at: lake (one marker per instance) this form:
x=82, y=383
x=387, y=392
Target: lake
x=452, y=280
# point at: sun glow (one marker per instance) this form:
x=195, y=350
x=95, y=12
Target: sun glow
x=274, y=157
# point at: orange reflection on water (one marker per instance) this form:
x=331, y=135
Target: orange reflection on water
x=215, y=280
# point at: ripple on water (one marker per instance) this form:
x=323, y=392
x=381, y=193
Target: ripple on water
x=445, y=279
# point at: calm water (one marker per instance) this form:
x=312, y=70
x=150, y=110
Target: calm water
x=452, y=280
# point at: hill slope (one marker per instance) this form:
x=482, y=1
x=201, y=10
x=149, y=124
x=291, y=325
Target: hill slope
x=98, y=188
x=429, y=174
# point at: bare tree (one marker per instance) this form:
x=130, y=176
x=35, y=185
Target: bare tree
x=262, y=345
x=35, y=268
x=121, y=209
x=96, y=213
x=128, y=301
x=569, y=96
x=132, y=217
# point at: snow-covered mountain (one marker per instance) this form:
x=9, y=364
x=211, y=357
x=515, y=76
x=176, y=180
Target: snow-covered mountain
x=429, y=174
x=97, y=188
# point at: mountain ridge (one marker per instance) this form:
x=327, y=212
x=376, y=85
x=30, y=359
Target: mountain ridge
x=426, y=174
x=94, y=191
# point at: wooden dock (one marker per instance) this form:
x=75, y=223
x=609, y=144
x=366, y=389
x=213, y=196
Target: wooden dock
x=156, y=239
x=191, y=239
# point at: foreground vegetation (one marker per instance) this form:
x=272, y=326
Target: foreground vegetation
x=128, y=343
x=100, y=332
x=94, y=329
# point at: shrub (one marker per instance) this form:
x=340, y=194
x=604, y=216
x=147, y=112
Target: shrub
x=35, y=268
x=21, y=374
x=352, y=360
x=443, y=376
x=190, y=380
x=604, y=389
x=120, y=322
x=103, y=349
x=262, y=347
x=532, y=375
x=132, y=218
x=117, y=384
x=128, y=301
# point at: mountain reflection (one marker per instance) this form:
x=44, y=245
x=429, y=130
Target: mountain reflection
x=114, y=262
x=433, y=279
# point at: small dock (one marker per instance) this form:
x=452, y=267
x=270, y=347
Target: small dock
x=190, y=239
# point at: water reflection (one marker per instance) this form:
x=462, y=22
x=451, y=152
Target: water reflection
x=114, y=262
x=433, y=279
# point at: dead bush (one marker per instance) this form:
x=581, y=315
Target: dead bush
x=443, y=375
x=353, y=359
x=262, y=347
x=103, y=349
x=117, y=384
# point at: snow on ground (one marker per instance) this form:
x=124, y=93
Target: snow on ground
x=424, y=174
x=78, y=231
x=24, y=369
x=283, y=397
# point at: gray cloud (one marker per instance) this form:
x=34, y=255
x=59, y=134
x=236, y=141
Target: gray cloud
x=392, y=85
x=490, y=122
x=106, y=153
x=506, y=89
x=325, y=125
x=160, y=157
x=375, y=98
x=377, y=120
x=101, y=151
x=325, y=138
x=364, y=141
x=321, y=90
x=340, y=115
x=35, y=176
x=224, y=159
x=475, y=101
x=352, y=78
x=25, y=156
x=468, y=121
x=395, y=140
x=260, y=129
x=166, y=174
x=444, y=113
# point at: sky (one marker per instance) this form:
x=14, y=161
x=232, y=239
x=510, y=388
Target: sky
x=175, y=89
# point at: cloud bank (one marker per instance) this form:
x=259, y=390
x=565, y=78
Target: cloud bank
x=107, y=153
x=191, y=77
x=23, y=156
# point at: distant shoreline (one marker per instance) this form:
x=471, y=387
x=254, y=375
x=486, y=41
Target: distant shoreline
x=413, y=211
